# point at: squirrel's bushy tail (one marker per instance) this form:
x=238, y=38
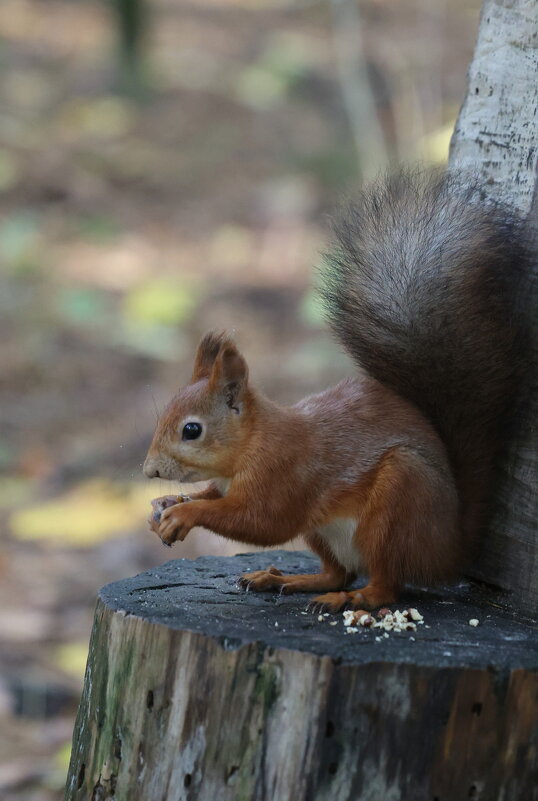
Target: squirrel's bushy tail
x=420, y=288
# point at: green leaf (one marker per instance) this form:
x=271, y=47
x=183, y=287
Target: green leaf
x=160, y=302
x=81, y=304
x=71, y=658
x=260, y=88
x=18, y=239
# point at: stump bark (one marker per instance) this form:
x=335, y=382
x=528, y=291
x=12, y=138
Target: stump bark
x=197, y=690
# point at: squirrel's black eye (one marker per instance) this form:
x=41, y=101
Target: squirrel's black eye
x=191, y=431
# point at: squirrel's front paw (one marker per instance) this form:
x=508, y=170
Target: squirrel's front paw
x=261, y=579
x=175, y=524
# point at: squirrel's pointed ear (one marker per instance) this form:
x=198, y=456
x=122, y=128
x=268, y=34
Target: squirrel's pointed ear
x=229, y=376
x=207, y=352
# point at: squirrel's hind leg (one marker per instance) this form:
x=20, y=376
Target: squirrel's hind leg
x=273, y=579
x=332, y=577
x=408, y=530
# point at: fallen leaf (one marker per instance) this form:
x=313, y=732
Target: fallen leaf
x=92, y=512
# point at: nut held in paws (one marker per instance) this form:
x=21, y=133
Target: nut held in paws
x=160, y=504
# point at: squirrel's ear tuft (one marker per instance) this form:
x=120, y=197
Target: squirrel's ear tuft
x=229, y=376
x=207, y=352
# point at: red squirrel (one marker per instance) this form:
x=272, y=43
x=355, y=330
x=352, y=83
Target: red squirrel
x=387, y=473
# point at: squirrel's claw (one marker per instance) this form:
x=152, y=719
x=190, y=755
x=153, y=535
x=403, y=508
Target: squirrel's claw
x=173, y=525
x=244, y=583
x=330, y=602
x=314, y=607
x=260, y=580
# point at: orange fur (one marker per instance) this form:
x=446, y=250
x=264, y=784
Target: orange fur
x=356, y=469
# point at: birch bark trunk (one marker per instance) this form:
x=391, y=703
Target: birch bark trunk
x=497, y=135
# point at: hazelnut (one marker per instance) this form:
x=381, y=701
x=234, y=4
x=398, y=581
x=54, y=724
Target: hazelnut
x=160, y=504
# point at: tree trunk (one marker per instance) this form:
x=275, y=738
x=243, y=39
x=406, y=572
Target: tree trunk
x=132, y=24
x=197, y=690
x=497, y=135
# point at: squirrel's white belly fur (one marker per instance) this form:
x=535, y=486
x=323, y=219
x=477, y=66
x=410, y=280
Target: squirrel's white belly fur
x=222, y=484
x=338, y=535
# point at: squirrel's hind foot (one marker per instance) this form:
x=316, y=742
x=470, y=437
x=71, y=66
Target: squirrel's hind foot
x=372, y=596
x=272, y=579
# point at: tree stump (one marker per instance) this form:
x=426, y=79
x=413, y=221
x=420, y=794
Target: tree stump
x=196, y=689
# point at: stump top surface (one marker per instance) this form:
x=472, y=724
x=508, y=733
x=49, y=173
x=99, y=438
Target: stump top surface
x=202, y=596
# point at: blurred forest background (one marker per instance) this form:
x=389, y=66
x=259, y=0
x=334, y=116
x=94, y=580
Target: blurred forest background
x=166, y=167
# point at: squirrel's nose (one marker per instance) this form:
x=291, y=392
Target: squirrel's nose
x=150, y=469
